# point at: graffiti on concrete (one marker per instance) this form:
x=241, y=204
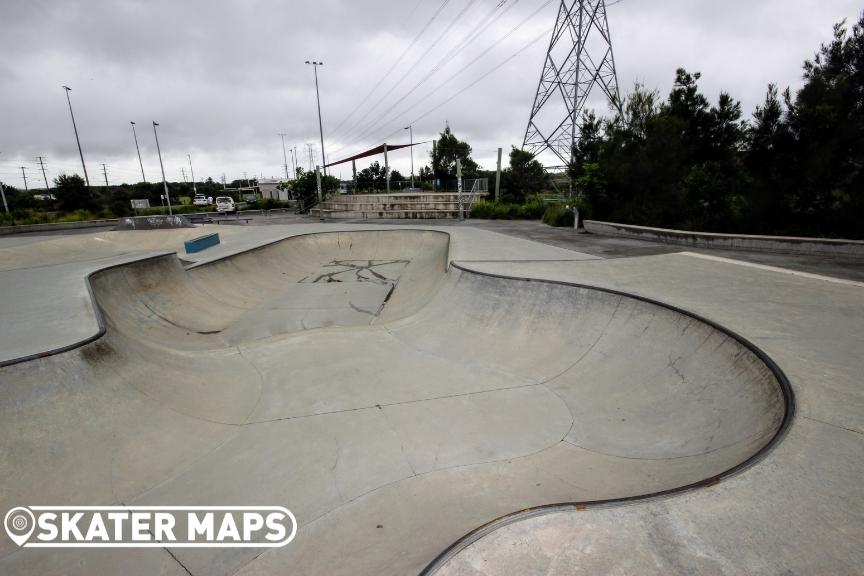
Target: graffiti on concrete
x=383, y=272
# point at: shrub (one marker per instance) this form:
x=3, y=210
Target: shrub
x=532, y=210
x=558, y=215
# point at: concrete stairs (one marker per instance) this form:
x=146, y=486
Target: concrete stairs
x=403, y=205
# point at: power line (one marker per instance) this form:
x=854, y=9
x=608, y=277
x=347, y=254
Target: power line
x=396, y=63
x=478, y=80
x=447, y=30
x=466, y=41
x=365, y=133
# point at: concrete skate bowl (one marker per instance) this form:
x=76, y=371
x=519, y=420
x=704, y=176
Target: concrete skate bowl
x=391, y=403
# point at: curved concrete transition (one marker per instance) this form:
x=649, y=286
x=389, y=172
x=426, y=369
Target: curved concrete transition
x=392, y=404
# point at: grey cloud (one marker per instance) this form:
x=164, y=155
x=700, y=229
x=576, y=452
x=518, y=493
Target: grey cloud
x=223, y=78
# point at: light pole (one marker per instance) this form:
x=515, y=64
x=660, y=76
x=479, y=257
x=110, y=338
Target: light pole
x=74, y=127
x=192, y=173
x=284, y=156
x=137, y=149
x=164, y=183
x=320, y=124
x=410, y=129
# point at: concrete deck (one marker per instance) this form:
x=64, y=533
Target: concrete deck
x=395, y=404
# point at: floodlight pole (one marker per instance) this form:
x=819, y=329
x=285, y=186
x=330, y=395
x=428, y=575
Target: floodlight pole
x=137, y=149
x=162, y=167
x=320, y=195
x=320, y=124
x=192, y=174
x=74, y=127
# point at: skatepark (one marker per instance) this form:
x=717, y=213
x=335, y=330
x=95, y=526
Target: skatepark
x=434, y=400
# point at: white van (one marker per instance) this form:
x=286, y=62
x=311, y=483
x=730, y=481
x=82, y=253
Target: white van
x=225, y=205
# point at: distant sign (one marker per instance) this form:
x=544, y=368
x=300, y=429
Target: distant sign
x=140, y=204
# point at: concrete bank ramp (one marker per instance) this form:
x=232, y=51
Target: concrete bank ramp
x=272, y=378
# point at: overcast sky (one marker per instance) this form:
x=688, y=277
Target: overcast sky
x=223, y=78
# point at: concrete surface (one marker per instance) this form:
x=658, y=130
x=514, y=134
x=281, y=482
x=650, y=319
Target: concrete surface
x=747, y=242
x=404, y=404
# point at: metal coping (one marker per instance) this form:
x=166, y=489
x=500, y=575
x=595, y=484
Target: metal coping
x=785, y=388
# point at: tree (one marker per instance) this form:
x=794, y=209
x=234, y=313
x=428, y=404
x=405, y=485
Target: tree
x=826, y=119
x=305, y=188
x=525, y=176
x=586, y=150
x=72, y=194
x=445, y=152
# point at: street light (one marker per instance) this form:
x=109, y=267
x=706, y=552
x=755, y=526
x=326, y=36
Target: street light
x=320, y=125
x=410, y=129
x=74, y=127
x=164, y=183
x=140, y=163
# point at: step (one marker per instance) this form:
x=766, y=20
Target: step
x=391, y=206
x=386, y=214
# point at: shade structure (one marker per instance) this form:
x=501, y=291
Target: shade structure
x=373, y=152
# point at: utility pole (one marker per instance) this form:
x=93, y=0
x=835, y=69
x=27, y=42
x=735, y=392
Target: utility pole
x=24, y=175
x=183, y=172
x=296, y=160
x=498, y=177
x=309, y=148
x=354, y=171
x=434, y=159
x=192, y=173
x=105, y=173
x=459, y=188
x=44, y=176
x=137, y=149
x=386, y=170
x=284, y=156
x=3, y=194
x=223, y=181
x=320, y=124
x=293, y=163
x=162, y=167
x=410, y=129
x=74, y=127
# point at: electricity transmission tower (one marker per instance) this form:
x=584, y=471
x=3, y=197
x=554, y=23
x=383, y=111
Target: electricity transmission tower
x=579, y=61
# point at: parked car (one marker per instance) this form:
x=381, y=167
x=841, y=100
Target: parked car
x=200, y=200
x=225, y=205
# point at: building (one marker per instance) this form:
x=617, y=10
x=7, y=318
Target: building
x=269, y=189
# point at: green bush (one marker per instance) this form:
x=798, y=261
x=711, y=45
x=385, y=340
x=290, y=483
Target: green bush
x=77, y=216
x=531, y=210
x=559, y=215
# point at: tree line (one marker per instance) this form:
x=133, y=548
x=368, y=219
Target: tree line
x=796, y=167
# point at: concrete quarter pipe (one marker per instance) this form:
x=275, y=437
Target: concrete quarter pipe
x=392, y=402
